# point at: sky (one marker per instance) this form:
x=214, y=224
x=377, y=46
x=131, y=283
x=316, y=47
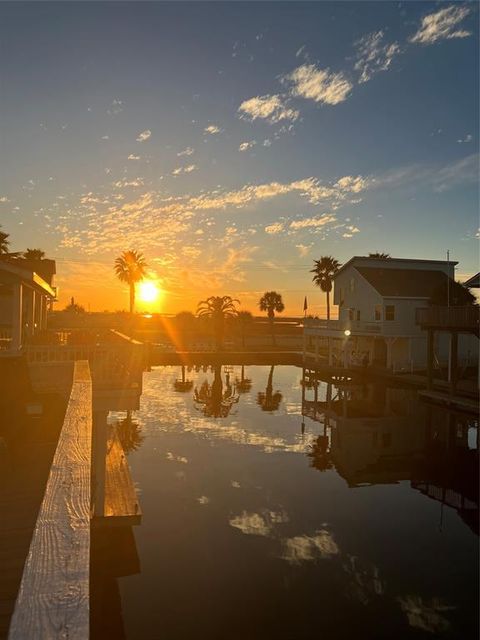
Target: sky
x=234, y=143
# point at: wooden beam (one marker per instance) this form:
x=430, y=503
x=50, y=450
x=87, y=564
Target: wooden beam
x=53, y=600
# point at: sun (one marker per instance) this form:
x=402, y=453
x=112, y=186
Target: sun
x=148, y=291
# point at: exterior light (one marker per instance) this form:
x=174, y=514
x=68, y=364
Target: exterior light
x=347, y=332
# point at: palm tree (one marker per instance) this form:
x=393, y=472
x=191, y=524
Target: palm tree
x=4, y=242
x=323, y=272
x=269, y=401
x=379, y=256
x=244, y=318
x=270, y=302
x=34, y=254
x=213, y=401
x=129, y=433
x=244, y=384
x=218, y=309
x=130, y=267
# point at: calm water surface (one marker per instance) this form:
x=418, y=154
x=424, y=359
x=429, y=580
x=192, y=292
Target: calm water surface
x=352, y=513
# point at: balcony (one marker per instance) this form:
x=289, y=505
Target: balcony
x=451, y=318
x=337, y=328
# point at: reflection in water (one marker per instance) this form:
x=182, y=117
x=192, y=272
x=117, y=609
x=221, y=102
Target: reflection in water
x=253, y=527
x=183, y=385
x=129, y=433
x=269, y=401
x=214, y=402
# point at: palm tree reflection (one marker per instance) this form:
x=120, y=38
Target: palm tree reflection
x=269, y=401
x=244, y=384
x=212, y=400
x=129, y=433
x=183, y=384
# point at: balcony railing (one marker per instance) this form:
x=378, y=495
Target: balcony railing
x=449, y=317
x=358, y=327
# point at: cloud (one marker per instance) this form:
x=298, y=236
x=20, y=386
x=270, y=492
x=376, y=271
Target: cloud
x=373, y=56
x=303, y=249
x=105, y=137
x=269, y=108
x=188, y=169
x=427, y=615
x=212, y=129
x=133, y=157
x=276, y=227
x=258, y=524
x=320, y=85
x=468, y=138
x=441, y=25
x=312, y=222
x=4, y=199
x=350, y=232
x=186, y=152
x=247, y=145
x=304, y=548
x=115, y=108
x=144, y=135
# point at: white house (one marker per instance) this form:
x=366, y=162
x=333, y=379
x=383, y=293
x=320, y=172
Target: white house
x=377, y=301
x=25, y=297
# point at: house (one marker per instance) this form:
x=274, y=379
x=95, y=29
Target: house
x=378, y=299
x=25, y=297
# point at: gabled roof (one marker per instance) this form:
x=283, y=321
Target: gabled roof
x=370, y=262
x=403, y=283
x=473, y=282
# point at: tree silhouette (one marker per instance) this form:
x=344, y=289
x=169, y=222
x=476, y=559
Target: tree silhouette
x=4, y=242
x=183, y=384
x=130, y=267
x=379, y=256
x=217, y=309
x=34, y=254
x=73, y=307
x=244, y=384
x=129, y=433
x=269, y=401
x=323, y=272
x=270, y=302
x=457, y=294
x=243, y=320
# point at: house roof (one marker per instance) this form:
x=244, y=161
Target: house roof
x=404, y=261
x=473, y=282
x=403, y=283
x=27, y=277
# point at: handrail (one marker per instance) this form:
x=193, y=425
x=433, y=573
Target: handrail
x=53, y=600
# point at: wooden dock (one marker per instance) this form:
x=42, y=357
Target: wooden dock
x=53, y=600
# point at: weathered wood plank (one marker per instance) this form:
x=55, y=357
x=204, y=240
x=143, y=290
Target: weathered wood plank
x=53, y=600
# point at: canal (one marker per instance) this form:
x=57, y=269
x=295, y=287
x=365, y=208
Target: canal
x=279, y=506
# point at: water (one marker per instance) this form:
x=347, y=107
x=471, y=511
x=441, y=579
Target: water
x=261, y=522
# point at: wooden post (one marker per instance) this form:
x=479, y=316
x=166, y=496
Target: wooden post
x=453, y=361
x=329, y=342
x=316, y=349
x=17, y=317
x=430, y=340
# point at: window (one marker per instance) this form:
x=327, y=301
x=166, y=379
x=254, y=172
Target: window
x=350, y=314
x=358, y=315
x=389, y=312
x=378, y=312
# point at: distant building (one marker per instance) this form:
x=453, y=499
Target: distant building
x=378, y=299
x=25, y=297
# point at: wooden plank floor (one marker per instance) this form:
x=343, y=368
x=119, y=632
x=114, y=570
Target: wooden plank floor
x=25, y=460
x=121, y=502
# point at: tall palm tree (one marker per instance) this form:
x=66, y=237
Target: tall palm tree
x=323, y=272
x=218, y=309
x=130, y=267
x=270, y=302
x=244, y=319
x=379, y=256
x=34, y=254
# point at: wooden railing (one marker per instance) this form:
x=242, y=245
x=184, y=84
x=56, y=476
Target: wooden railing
x=449, y=317
x=53, y=600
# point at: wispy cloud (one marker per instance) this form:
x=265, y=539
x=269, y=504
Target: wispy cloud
x=132, y=156
x=186, y=152
x=188, y=169
x=244, y=146
x=271, y=108
x=373, y=55
x=319, y=85
x=212, y=129
x=319, y=221
x=276, y=227
x=105, y=137
x=442, y=25
x=115, y=108
x=468, y=138
x=144, y=135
